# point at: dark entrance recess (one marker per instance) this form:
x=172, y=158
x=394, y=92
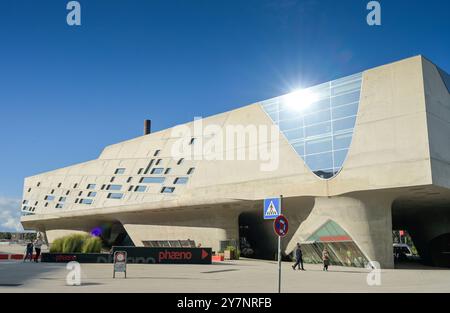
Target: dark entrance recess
x=114, y=234
x=440, y=251
x=256, y=237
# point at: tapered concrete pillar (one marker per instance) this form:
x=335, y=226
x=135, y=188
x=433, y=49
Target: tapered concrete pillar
x=365, y=217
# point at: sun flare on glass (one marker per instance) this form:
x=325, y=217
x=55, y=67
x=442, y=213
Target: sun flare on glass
x=300, y=99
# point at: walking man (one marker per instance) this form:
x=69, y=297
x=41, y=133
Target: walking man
x=298, y=258
x=29, y=252
x=37, y=247
x=325, y=259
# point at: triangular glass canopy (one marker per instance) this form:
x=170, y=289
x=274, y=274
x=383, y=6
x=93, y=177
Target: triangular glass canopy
x=318, y=122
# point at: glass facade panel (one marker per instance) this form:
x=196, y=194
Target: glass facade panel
x=318, y=122
x=152, y=180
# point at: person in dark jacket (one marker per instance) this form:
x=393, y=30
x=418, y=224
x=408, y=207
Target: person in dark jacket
x=29, y=252
x=298, y=258
x=325, y=259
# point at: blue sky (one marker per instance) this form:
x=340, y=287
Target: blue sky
x=67, y=92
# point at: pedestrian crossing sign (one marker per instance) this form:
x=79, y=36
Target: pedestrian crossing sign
x=272, y=208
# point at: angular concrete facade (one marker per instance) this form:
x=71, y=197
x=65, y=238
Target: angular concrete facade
x=395, y=174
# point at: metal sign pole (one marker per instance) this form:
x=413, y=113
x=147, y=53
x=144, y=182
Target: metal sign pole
x=279, y=251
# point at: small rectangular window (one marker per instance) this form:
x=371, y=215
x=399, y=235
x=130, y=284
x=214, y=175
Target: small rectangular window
x=49, y=198
x=180, y=161
x=192, y=141
x=180, y=180
x=149, y=166
x=119, y=171
x=46, y=204
x=29, y=189
x=62, y=199
x=103, y=187
x=114, y=187
x=68, y=192
x=158, y=161
x=156, y=152
x=129, y=179
x=25, y=202
x=140, y=171
x=36, y=203
x=167, y=170
x=157, y=170
x=38, y=184
x=140, y=189
x=191, y=170
x=75, y=186
x=59, y=206
x=91, y=186
x=86, y=201
x=167, y=189
x=59, y=185
x=152, y=180
x=112, y=179
x=53, y=191
x=80, y=193
x=115, y=195
x=92, y=194
x=131, y=188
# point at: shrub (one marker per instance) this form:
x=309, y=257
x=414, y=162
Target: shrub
x=76, y=243
x=92, y=245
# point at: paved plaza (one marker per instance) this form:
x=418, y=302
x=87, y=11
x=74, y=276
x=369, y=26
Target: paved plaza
x=243, y=276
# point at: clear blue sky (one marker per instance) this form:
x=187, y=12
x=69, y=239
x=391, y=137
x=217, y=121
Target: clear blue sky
x=67, y=92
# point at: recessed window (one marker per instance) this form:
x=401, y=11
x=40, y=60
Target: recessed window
x=114, y=187
x=76, y=200
x=25, y=202
x=36, y=203
x=59, y=185
x=75, y=186
x=68, y=192
x=157, y=170
x=181, y=180
x=86, y=201
x=59, y=206
x=129, y=179
x=120, y=171
x=25, y=208
x=103, y=187
x=167, y=171
x=46, y=204
x=130, y=188
x=167, y=189
x=156, y=152
x=191, y=170
x=149, y=166
x=29, y=189
x=91, y=186
x=140, y=189
x=180, y=161
x=80, y=193
x=38, y=184
x=192, y=141
x=53, y=191
x=112, y=179
x=115, y=195
x=158, y=161
x=49, y=198
x=140, y=171
x=152, y=180
x=62, y=199
x=92, y=194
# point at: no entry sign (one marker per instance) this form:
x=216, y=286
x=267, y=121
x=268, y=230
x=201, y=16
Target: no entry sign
x=281, y=226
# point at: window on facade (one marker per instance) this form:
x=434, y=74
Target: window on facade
x=140, y=171
x=140, y=189
x=25, y=202
x=130, y=188
x=167, y=171
x=59, y=185
x=191, y=170
x=157, y=170
x=119, y=171
x=75, y=186
x=53, y=191
x=49, y=198
x=38, y=184
x=86, y=201
x=29, y=189
x=129, y=179
x=80, y=193
x=36, y=203
x=180, y=161
x=180, y=180
x=167, y=189
x=59, y=206
x=112, y=179
x=91, y=186
x=114, y=187
x=46, y=204
x=152, y=180
x=92, y=194
x=62, y=199
x=67, y=192
x=156, y=152
x=158, y=161
x=115, y=196
x=192, y=141
x=103, y=187
x=147, y=169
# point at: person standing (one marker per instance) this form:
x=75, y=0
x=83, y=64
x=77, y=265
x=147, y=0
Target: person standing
x=325, y=259
x=29, y=252
x=37, y=247
x=298, y=258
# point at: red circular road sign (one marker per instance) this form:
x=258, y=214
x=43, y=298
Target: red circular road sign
x=281, y=226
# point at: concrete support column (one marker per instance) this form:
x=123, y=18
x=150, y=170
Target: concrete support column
x=365, y=217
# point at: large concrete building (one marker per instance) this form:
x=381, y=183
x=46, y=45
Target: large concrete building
x=356, y=158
